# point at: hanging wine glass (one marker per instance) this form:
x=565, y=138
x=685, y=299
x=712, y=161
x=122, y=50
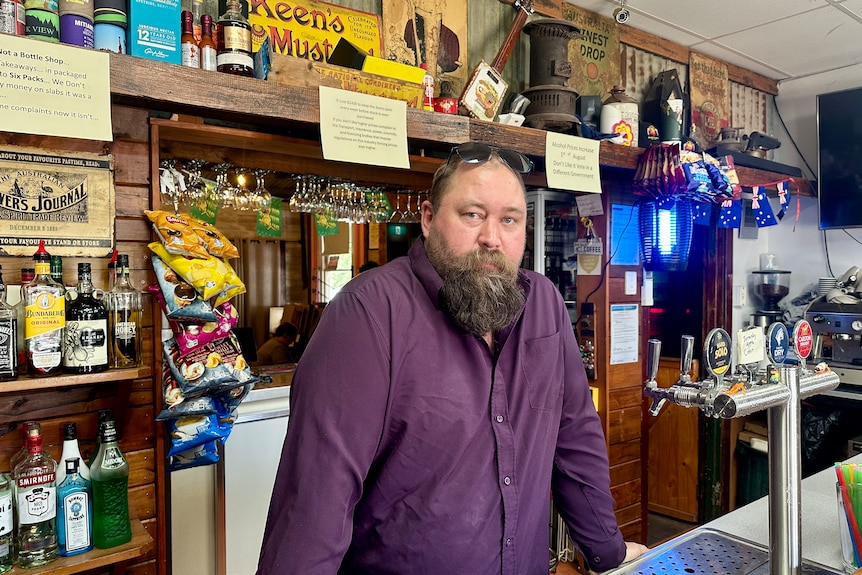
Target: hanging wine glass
x=262, y=197
x=224, y=191
x=196, y=187
x=243, y=196
x=169, y=189
x=397, y=215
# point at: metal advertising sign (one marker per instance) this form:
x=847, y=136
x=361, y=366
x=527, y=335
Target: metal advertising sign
x=67, y=199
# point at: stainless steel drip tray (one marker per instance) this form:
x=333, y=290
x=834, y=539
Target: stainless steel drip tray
x=708, y=552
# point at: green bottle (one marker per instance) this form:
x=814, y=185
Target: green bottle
x=109, y=475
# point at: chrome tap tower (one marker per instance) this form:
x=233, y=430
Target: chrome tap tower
x=776, y=387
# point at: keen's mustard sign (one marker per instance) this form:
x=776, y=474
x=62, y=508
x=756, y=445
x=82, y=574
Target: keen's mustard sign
x=67, y=199
x=310, y=30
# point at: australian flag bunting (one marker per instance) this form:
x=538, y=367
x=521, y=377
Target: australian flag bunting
x=730, y=215
x=783, y=188
x=700, y=212
x=761, y=209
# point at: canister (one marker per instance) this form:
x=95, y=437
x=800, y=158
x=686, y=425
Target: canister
x=80, y=7
x=671, y=120
x=12, y=17
x=76, y=30
x=42, y=24
x=620, y=116
x=109, y=37
x=112, y=12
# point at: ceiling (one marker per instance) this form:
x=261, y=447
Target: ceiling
x=779, y=39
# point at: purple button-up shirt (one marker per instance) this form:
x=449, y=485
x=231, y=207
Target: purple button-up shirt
x=411, y=449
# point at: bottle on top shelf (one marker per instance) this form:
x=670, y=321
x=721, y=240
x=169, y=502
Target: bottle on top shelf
x=197, y=10
x=124, y=319
x=191, y=55
x=57, y=269
x=74, y=510
x=27, y=275
x=109, y=475
x=44, y=318
x=86, y=345
x=8, y=336
x=209, y=50
x=234, y=42
x=7, y=529
x=34, y=476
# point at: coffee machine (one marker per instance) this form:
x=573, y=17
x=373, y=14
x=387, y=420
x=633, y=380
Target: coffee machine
x=836, y=321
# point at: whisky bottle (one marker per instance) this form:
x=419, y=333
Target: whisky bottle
x=191, y=56
x=234, y=42
x=8, y=336
x=124, y=319
x=74, y=511
x=207, y=44
x=85, y=349
x=27, y=275
x=37, y=506
x=57, y=269
x=44, y=318
x=109, y=475
x=7, y=534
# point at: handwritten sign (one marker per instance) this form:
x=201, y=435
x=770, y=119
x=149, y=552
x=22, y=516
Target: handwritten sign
x=750, y=345
x=363, y=129
x=54, y=90
x=572, y=163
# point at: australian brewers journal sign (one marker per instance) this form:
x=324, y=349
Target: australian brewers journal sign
x=67, y=199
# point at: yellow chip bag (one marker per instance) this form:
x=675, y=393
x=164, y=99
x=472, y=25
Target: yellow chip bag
x=176, y=234
x=216, y=242
x=233, y=286
x=206, y=275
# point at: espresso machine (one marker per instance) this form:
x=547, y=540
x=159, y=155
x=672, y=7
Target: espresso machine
x=836, y=322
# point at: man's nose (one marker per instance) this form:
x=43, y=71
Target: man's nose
x=489, y=235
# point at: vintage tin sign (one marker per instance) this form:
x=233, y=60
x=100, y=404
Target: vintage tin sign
x=67, y=199
x=309, y=29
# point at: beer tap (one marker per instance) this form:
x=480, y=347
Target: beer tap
x=777, y=389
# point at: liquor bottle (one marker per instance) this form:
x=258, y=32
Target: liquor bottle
x=112, y=270
x=8, y=336
x=57, y=269
x=86, y=344
x=428, y=88
x=197, y=16
x=7, y=532
x=234, y=42
x=36, y=539
x=74, y=511
x=71, y=450
x=124, y=319
x=29, y=428
x=44, y=318
x=207, y=44
x=27, y=275
x=191, y=55
x=109, y=475
x=104, y=415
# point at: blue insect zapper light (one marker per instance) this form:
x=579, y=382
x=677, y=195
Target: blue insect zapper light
x=666, y=229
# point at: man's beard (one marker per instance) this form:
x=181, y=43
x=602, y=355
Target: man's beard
x=480, y=300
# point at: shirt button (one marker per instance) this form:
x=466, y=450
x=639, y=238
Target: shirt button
x=508, y=542
x=506, y=480
x=499, y=419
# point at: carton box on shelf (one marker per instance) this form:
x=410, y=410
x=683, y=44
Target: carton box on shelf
x=154, y=30
x=304, y=73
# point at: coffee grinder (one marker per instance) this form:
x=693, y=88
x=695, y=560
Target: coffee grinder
x=771, y=285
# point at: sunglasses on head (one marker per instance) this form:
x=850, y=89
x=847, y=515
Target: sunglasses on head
x=477, y=153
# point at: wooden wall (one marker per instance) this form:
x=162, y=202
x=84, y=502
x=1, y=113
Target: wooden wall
x=134, y=402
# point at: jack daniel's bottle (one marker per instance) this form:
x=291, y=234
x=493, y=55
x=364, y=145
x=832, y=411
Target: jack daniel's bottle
x=8, y=336
x=124, y=318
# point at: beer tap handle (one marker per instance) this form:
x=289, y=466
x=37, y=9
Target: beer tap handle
x=686, y=357
x=653, y=356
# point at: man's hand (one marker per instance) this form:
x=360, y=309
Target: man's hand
x=633, y=551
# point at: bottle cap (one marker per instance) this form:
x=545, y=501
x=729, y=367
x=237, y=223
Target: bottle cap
x=70, y=430
x=41, y=254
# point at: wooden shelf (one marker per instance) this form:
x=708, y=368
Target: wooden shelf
x=140, y=544
x=24, y=383
x=292, y=109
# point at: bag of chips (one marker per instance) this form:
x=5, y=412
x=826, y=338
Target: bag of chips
x=205, y=454
x=216, y=242
x=214, y=366
x=206, y=275
x=189, y=432
x=190, y=335
x=177, y=298
x=176, y=234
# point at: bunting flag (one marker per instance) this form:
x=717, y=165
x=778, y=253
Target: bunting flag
x=700, y=213
x=783, y=189
x=730, y=215
x=761, y=208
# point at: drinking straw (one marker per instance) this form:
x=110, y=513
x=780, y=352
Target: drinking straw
x=856, y=538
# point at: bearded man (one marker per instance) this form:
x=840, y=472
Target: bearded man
x=440, y=403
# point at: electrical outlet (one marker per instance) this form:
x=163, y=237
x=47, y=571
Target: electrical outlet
x=739, y=296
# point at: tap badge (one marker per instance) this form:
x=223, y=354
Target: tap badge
x=717, y=351
x=803, y=339
x=777, y=342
